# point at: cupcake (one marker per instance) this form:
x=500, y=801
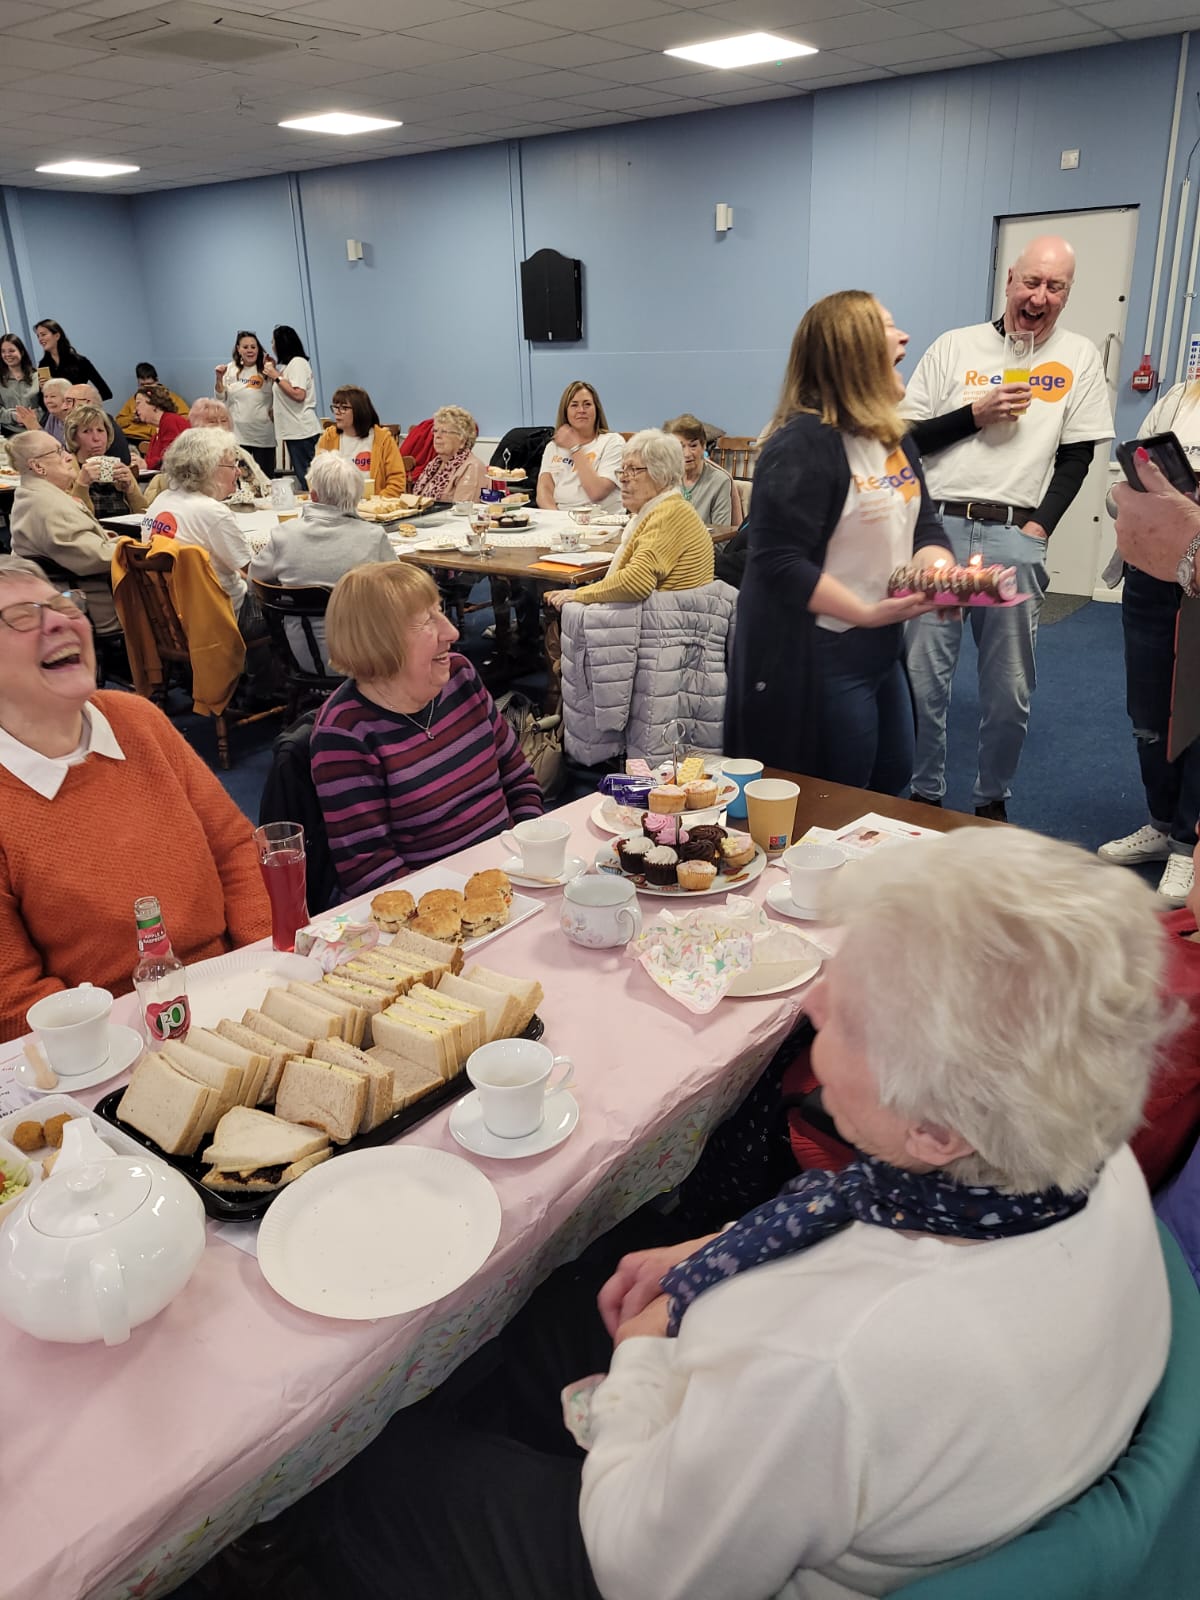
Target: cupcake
x=667, y=800
x=737, y=851
x=708, y=830
x=696, y=875
x=691, y=849
x=662, y=829
x=661, y=862
x=700, y=794
x=632, y=853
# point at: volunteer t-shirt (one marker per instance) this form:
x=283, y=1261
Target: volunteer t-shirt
x=296, y=419
x=874, y=534
x=356, y=450
x=248, y=397
x=1010, y=462
x=1178, y=412
x=604, y=453
x=199, y=519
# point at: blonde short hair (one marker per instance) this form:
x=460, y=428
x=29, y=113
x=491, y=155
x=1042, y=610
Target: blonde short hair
x=458, y=421
x=369, y=613
x=85, y=417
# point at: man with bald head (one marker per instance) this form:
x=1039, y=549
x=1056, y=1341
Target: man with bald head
x=1003, y=463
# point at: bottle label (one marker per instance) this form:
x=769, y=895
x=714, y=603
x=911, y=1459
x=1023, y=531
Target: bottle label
x=168, y=1020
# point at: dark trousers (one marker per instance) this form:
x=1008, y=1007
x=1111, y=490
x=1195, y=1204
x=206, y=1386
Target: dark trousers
x=264, y=454
x=865, y=709
x=300, y=454
x=1149, y=615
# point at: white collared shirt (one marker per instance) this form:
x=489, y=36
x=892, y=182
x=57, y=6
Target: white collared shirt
x=47, y=774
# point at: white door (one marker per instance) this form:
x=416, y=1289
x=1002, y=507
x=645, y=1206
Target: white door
x=1104, y=242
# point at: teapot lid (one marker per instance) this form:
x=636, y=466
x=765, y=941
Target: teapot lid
x=89, y=1199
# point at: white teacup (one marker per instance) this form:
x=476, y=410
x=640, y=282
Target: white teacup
x=106, y=467
x=511, y=1077
x=810, y=867
x=73, y=1028
x=600, y=911
x=571, y=538
x=541, y=843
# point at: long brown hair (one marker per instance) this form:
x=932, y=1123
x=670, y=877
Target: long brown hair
x=569, y=394
x=839, y=369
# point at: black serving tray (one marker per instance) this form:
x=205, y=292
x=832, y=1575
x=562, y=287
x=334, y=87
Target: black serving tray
x=250, y=1207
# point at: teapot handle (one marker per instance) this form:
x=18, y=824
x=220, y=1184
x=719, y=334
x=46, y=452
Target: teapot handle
x=108, y=1297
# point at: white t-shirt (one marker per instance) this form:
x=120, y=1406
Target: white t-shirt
x=296, y=419
x=248, y=397
x=843, y=1420
x=199, y=519
x=1009, y=462
x=356, y=450
x=1177, y=412
x=874, y=534
x=605, y=453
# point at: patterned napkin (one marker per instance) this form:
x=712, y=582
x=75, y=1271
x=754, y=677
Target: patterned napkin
x=694, y=957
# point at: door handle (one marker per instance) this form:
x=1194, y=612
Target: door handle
x=1109, y=340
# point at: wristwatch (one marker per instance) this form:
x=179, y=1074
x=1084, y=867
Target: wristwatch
x=1185, y=572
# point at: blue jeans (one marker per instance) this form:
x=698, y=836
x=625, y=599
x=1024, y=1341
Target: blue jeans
x=300, y=454
x=864, y=708
x=1005, y=640
x=1149, y=613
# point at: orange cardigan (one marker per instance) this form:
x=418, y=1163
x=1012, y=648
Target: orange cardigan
x=156, y=823
x=387, y=464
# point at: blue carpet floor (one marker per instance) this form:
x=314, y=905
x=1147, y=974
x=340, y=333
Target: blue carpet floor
x=1078, y=777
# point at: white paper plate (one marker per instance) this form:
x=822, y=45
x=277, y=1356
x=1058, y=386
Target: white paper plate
x=442, y=878
x=610, y=817
x=777, y=977
x=379, y=1232
x=226, y=986
x=723, y=883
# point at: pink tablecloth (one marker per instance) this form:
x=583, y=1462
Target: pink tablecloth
x=125, y=1469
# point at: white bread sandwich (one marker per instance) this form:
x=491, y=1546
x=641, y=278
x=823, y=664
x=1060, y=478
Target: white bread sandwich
x=415, y=1035
x=275, y=1053
x=398, y=969
x=472, y=1019
x=526, y=994
x=354, y=1018
x=222, y=1076
x=323, y=1096
x=167, y=1106
x=296, y=1044
x=379, y=1078
x=437, y=949
x=252, y=1151
x=410, y=1081
x=297, y=1014
x=252, y=1062
x=360, y=991
x=493, y=1002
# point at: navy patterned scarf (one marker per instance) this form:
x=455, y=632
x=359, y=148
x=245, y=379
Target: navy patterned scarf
x=819, y=1203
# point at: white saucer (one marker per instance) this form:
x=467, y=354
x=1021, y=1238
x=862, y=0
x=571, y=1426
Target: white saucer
x=466, y=1124
x=779, y=898
x=512, y=869
x=124, y=1047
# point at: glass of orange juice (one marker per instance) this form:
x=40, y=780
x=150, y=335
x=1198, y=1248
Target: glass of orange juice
x=1018, y=357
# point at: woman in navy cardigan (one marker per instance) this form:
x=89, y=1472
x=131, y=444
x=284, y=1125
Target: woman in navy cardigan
x=817, y=683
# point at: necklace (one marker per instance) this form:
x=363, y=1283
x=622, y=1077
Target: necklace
x=428, y=727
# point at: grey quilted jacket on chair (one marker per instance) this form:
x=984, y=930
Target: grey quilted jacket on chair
x=631, y=669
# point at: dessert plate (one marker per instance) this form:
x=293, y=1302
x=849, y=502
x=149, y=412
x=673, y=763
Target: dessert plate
x=606, y=861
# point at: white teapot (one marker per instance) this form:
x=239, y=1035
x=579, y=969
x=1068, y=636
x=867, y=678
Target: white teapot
x=101, y=1245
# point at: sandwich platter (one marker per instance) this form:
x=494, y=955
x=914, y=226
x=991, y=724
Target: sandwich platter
x=379, y=1234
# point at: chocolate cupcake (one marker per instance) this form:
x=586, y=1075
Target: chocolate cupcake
x=708, y=830
x=661, y=862
x=632, y=853
x=693, y=849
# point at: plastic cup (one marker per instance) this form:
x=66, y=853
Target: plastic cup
x=741, y=773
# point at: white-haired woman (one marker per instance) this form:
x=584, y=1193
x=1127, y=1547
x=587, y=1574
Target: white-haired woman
x=208, y=412
x=456, y=472
x=201, y=470
x=880, y=1372
x=57, y=404
x=665, y=545
x=327, y=540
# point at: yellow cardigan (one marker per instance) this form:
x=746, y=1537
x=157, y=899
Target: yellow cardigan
x=387, y=464
x=671, y=549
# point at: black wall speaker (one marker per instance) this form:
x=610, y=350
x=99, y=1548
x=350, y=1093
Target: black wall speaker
x=552, y=297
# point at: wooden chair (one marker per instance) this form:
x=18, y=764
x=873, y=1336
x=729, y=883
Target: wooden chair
x=394, y=429
x=736, y=454
x=147, y=575
x=279, y=604
x=410, y=467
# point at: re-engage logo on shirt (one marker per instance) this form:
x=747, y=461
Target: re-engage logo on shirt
x=898, y=476
x=161, y=523
x=1051, y=381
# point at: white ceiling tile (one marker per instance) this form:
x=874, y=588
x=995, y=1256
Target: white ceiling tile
x=483, y=30
x=974, y=58
x=548, y=110
x=781, y=13
x=920, y=47
x=391, y=52
x=665, y=33
x=49, y=24
x=560, y=85
x=956, y=14
x=867, y=75
x=476, y=122
x=13, y=12
x=565, y=13
x=388, y=16
x=813, y=70
x=70, y=87
x=677, y=107
x=707, y=83
x=614, y=97
x=647, y=66
x=128, y=72
x=1057, y=24
x=598, y=119
x=38, y=55
x=738, y=97
x=1076, y=41
x=1116, y=13
x=1149, y=30
x=570, y=50
x=861, y=27
x=488, y=68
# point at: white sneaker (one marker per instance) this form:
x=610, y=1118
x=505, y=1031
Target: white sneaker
x=1147, y=844
x=1178, y=877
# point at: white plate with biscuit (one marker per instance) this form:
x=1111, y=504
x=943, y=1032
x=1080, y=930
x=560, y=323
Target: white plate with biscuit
x=425, y=881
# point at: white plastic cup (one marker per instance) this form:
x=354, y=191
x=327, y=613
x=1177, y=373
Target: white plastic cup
x=73, y=1028
x=541, y=843
x=512, y=1080
x=810, y=869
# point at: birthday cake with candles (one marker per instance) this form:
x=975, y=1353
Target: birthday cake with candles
x=947, y=584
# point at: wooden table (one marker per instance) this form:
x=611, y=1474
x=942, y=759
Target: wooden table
x=832, y=805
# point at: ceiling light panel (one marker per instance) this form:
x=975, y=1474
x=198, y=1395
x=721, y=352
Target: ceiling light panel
x=742, y=50
x=339, y=122
x=87, y=169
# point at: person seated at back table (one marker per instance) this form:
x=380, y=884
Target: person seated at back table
x=155, y=409
x=579, y=465
x=102, y=780
x=707, y=487
x=665, y=545
x=130, y=424
x=456, y=472
x=89, y=438
x=410, y=758
x=208, y=412
x=358, y=434
x=87, y=394
x=201, y=469
x=55, y=404
x=47, y=521
x=876, y=1374
x=322, y=544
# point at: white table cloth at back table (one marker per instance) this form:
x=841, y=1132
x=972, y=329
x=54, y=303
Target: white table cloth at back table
x=127, y=1468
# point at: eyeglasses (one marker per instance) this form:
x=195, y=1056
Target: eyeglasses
x=26, y=615
x=630, y=472
x=44, y=455
x=341, y=405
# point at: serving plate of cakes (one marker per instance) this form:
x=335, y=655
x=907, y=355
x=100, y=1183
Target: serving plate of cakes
x=700, y=800
x=663, y=857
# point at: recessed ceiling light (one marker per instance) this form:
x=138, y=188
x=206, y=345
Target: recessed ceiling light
x=87, y=169
x=743, y=50
x=339, y=122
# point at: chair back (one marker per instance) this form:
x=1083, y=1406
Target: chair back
x=737, y=454
x=280, y=604
x=289, y=795
x=148, y=575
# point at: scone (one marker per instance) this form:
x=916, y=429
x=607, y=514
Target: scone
x=491, y=881
x=483, y=913
x=440, y=900
x=392, y=909
x=442, y=923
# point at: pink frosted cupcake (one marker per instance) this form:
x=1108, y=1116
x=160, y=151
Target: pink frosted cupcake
x=696, y=875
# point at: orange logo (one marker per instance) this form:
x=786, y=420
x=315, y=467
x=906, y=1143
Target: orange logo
x=363, y=460
x=1051, y=381
x=897, y=475
x=161, y=522
x=254, y=381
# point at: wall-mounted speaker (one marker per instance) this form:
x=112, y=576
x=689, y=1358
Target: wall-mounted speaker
x=552, y=297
